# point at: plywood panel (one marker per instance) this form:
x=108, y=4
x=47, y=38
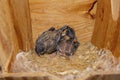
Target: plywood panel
x=117, y=46
x=15, y=30
x=107, y=26
x=48, y=13
x=8, y=41
x=22, y=23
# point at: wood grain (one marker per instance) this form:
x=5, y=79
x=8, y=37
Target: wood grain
x=117, y=46
x=15, y=30
x=22, y=23
x=107, y=26
x=48, y=13
x=8, y=39
x=28, y=76
x=20, y=13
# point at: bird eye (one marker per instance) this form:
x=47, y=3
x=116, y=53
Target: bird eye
x=68, y=54
x=39, y=49
x=76, y=44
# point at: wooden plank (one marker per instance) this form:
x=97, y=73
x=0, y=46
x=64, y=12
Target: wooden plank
x=28, y=76
x=8, y=38
x=47, y=13
x=107, y=25
x=22, y=23
x=105, y=77
x=117, y=47
x=15, y=30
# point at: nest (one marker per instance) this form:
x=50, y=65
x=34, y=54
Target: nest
x=86, y=59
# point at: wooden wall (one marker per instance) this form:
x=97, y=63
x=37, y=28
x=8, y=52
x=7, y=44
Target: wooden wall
x=107, y=26
x=15, y=30
x=47, y=13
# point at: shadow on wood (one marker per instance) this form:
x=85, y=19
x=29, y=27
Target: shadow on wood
x=15, y=30
x=107, y=26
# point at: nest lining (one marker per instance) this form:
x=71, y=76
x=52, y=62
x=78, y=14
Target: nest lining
x=86, y=59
